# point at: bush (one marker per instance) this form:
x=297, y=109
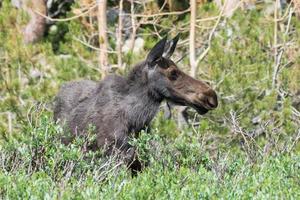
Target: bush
x=247, y=148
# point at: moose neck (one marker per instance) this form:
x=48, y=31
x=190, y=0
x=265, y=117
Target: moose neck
x=139, y=84
x=143, y=100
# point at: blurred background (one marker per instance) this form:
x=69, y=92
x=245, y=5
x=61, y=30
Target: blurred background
x=248, y=50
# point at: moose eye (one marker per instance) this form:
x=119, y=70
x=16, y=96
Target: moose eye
x=173, y=75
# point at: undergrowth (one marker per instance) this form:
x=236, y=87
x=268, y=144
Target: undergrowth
x=247, y=148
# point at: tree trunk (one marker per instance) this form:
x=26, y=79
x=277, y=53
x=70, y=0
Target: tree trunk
x=182, y=118
x=193, y=63
x=35, y=29
x=103, y=42
x=133, y=34
x=119, y=34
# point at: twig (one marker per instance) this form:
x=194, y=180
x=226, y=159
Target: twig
x=276, y=60
x=92, y=47
x=212, y=33
x=278, y=55
x=162, y=14
x=237, y=128
x=9, y=119
x=66, y=19
x=276, y=68
x=284, y=15
x=289, y=20
x=88, y=63
x=295, y=141
x=296, y=112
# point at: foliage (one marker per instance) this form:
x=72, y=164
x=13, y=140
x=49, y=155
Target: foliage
x=247, y=148
x=38, y=166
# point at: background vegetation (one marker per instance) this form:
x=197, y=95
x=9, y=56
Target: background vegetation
x=247, y=148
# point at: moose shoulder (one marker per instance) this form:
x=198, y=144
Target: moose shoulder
x=120, y=106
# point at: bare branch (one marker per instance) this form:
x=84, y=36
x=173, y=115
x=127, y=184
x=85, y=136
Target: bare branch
x=93, y=6
x=119, y=34
x=91, y=46
x=133, y=24
x=278, y=53
x=163, y=14
x=192, y=48
x=103, y=42
x=212, y=33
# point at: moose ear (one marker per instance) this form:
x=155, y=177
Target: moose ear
x=157, y=51
x=170, y=47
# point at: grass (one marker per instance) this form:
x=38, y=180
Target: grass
x=38, y=166
x=246, y=149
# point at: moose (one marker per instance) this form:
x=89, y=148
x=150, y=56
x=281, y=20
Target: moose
x=120, y=107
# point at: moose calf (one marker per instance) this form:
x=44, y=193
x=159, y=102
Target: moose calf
x=119, y=107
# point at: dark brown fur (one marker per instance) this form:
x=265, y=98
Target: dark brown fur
x=121, y=106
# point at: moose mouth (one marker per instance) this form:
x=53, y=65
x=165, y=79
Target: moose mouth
x=200, y=109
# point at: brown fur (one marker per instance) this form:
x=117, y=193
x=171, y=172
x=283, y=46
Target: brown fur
x=119, y=106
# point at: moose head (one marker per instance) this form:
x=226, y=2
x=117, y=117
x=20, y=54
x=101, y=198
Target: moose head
x=172, y=84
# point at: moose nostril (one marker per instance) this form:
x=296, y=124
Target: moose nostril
x=212, y=101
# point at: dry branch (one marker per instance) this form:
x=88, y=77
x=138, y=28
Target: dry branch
x=91, y=8
x=204, y=53
x=163, y=14
x=192, y=38
x=91, y=46
x=119, y=34
x=133, y=24
x=276, y=59
x=103, y=41
x=278, y=53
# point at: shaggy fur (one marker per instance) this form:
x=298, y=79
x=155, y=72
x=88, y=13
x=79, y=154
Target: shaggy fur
x=119, y=106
